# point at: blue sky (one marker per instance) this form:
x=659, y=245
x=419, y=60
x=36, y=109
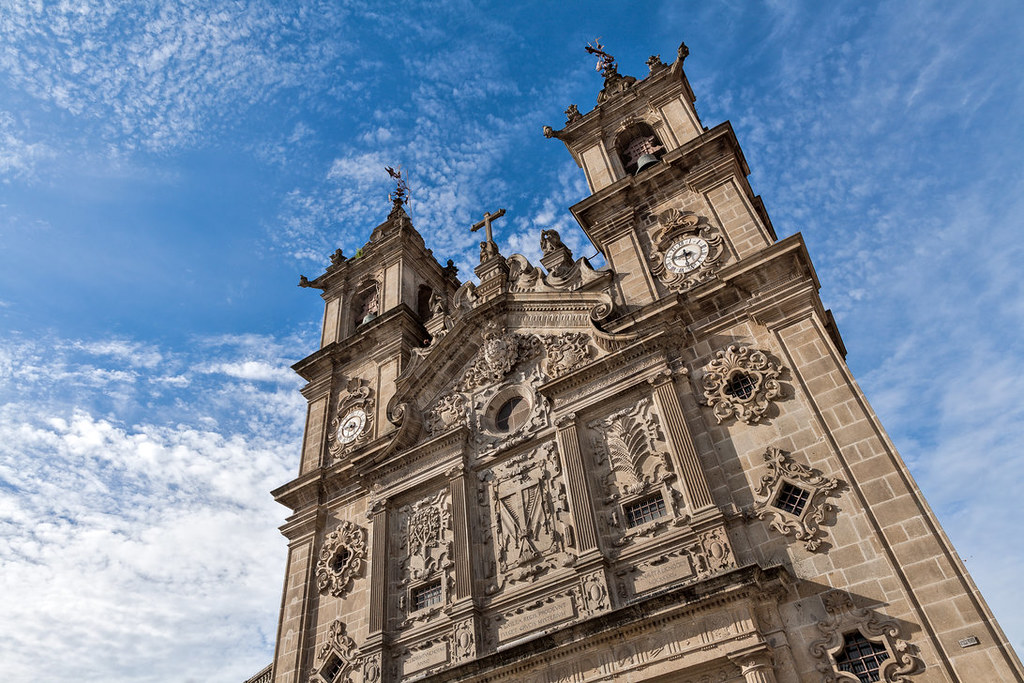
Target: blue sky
x=168, y=169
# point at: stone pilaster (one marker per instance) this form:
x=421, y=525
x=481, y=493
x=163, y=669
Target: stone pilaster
x=463, y=549
x=576, y=479
x=378, y=567
x=695, y=486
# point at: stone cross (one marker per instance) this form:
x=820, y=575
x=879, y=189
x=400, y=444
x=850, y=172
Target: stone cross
x=486, y=224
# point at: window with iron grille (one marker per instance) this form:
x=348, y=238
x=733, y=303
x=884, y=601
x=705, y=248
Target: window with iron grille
x=861, y=657
x=741, y=385
x=426, y=596
x=791, y=499
x=645, y=510
x=333, y=668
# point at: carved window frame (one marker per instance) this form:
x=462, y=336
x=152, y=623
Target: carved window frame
x=336, y=581
x=673, y=225
x=439, y=565
x=339, y=648
x=718, y=377
x=783, y=470
x=843, y=618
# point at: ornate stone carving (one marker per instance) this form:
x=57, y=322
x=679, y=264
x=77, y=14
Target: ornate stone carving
x=675, y=225
x=566, y=352
x=715, y=552
x=448, y=413
x=629, y=440
x=464, y=640
x=741, y=382
x=842, y=619
x=593, y=593
x=523, y=276
x=572, y=114
x=341, y=559
x=425, y=552
x=352, y=424
x=501, y=351
x=530, y=527
x=792, y=498
x=338, y=657
x=372, y=668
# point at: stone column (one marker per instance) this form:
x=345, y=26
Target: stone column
x=695, y=486
x=576, y=479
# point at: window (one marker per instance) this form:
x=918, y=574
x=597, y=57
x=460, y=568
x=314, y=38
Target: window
x=861, y=657
x=340, y=559
x=333, y=668
x=791, y=499
x=511, y=414
x=645, y=510
x=741, y=385
x=426, y=596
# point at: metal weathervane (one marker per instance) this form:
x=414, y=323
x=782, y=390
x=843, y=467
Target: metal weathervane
x=401, y=193
x=605, y=62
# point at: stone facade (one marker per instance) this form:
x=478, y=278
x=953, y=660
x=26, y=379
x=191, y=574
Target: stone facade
x=659, y=470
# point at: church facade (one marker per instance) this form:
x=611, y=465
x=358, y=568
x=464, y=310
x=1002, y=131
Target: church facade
x=661, y=469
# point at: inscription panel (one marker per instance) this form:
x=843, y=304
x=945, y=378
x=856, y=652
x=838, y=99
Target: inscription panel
x=650, y=575
x=424, y=658
x=529, y=619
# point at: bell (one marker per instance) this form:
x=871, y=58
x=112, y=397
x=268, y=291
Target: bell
x=644, y=161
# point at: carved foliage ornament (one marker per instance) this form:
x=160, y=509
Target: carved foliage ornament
x=566, y=352
x=687, y=249
x=352, y=424
x=448, y=413
x=792, y=498
x=425, y=553
x=498, y=355
x=844, y=622
x=341, y=559
x=741, y=382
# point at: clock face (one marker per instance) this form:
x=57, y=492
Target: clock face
x=351, y=425
x=686, y=255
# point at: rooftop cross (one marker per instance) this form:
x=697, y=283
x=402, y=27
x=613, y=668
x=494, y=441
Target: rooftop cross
x=486, y=224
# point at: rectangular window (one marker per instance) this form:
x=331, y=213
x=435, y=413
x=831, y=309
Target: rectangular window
x=791, y=499
x=426, y=596
x=645, y=510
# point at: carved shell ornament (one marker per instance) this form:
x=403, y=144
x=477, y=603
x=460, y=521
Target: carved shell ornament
x=741, y=382
x=341, y=559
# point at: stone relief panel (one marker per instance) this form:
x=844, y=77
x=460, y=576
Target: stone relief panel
x=341, y=559
x=352, y=424
x=530, y=529
x=687, y=250
x=424, y=557
x=447, y=413
x=792, y=497
x=566, y=352
x=878, y=639
x=501, y=351
x=338, y=657
x=636, y=476
x=741, y=382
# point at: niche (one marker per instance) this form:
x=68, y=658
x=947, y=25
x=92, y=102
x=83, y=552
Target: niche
x=635, y=141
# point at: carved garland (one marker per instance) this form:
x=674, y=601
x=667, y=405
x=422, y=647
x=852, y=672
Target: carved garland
x=741, y=382
x=674, y=225
x=844, y=619
x=792, y=498
x=341, y=559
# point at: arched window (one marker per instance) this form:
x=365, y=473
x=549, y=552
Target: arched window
x=423, y=303
x=368, y=304
x=635, y=141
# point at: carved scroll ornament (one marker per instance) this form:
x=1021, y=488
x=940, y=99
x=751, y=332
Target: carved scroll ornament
x=741, y=382
x=338, y=657
x=844, y=619
x=341, y=559
x=792, y=498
